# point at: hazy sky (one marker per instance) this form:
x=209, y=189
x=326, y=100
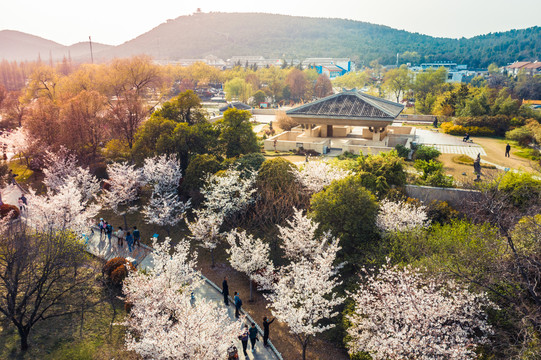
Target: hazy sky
x=116, y=21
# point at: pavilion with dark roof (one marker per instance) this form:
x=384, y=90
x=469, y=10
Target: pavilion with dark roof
x=350, y=120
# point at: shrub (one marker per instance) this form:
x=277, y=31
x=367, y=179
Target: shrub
x=378, y=173
x=441, y=212
x=523, y=188
x=285, y=122
x=116, y=269
x=439, y=179
x=497, y=125
x=428, y=167
x=402, y=151
x=426, y=153
x=522, y=135
x=450, y=128
x=11, y=210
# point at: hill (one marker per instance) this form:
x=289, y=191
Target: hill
x=19, y=46
x=281, y=36
x=277, y=36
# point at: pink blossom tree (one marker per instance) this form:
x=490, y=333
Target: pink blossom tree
x=304, y=294
x=315, y=175
x=401, y=314
x=400, y=216
x=250, y=255
x=164, y=322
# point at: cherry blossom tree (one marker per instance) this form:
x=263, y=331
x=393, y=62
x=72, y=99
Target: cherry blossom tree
x=251, y=256
x=315, y=175
x=165, y=210
x=164, y=322
x=17, y=142
x=299, y=237
x=400, y=216
x=401, y=314
x=163, y=173
x=65, y=209
x=205, y=230
x=230, y=193
x=165, y=207
x=123, y=188
x=61, y=168
x=304, y=294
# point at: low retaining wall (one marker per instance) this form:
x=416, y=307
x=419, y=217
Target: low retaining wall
x=455, y=197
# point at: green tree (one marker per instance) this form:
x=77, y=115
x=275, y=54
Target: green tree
x=237, y=88
x=237, y=134
x=427, y=85
x=258, y=97
x=398, y=81
x=186, y=107
x=348, y=210
x=196, y=172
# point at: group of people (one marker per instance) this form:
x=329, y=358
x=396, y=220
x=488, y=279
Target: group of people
x=132, y=238
x=248, y=333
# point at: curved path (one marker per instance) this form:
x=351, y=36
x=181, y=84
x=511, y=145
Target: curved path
x=99, y=246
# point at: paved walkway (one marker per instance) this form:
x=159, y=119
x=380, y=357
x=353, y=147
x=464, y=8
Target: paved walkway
x=448, y=144
x=100, y=246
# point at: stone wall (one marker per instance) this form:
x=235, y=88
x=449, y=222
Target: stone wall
x=455, y=197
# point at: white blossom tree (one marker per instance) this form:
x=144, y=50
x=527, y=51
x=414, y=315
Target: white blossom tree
x=61, y=168
x=16, y=142
x=163, y=173
x=230, y=193
x=299, y=237
x=64, y=209
x=165, y=210
x=123, y=188
x=164, y=322
x=165, y=207
x=304, y=294
x=250, y=255
x=315, y=175
x=401, y=314
x=400, y=216
x=205, y=230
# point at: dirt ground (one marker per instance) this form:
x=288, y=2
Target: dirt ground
x=457, y=170
x=495, y=149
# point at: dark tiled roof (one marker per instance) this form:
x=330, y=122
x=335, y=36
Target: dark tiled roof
x=235, y=105
x=349, y=104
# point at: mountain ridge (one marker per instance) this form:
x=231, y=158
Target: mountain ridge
x=285, y=36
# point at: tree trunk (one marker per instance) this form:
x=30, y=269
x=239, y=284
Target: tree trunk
x=212, y=257
x=23, y=333
x=251, y=298
x=304, y=350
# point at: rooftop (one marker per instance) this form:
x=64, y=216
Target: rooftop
x=349, y=105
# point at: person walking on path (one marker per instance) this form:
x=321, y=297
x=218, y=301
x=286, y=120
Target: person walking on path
x=253, y=336
x=266, y=324
x=120, y=236
x=101, y=225
x=238, y=304
x=129, y=240
x=108, y=231
x=136, y=236
x=507, y=150
x=225, y=291
x=244, y=339
x=12, y=177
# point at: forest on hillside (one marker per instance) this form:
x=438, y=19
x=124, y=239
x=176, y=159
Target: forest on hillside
x=280, y=36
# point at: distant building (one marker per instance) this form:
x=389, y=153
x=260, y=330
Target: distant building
x=532, y=68
x=330, y=67
x=456, y=73
x=210, y=60
x=259, y=61
x=235, y=105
